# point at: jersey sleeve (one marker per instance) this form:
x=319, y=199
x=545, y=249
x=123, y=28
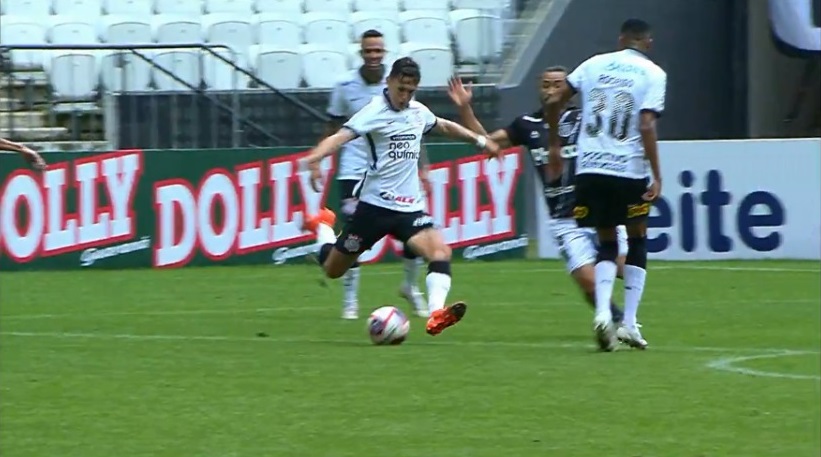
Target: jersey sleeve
x=655, y=95
x=337, y=107
x=514, y=132
x=577, y=77
x=365, y=120
x=430, y=119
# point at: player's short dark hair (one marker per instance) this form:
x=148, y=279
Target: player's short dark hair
x=372, y=33
x=635, y=29
x=405, y=68
x=553, y=68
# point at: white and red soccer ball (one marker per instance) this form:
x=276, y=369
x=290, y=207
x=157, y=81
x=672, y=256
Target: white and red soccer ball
x=388, y=325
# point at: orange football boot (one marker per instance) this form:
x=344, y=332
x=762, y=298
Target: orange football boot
x=445, y=317
x=324, y=216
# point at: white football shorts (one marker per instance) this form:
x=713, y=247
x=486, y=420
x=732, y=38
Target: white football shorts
x=578, y=246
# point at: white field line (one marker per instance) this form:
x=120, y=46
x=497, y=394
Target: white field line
x=729, y=364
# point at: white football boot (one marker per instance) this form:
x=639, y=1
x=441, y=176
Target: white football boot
x=605, y=331
x=350, y=311
x=631, y=336
x=416, y=299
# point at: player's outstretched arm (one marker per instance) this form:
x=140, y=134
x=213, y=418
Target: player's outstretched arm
x=453, y=130
x=461, y=96
x=28, y=154
x=330, y=145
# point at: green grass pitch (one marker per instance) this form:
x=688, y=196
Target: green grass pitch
x=169, y=364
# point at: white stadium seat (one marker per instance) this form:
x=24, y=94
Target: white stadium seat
x=328, y=6
x=430, y=27
x=326, y=29
x=125, y=30
x=72, y=30
x=124, y=71
x=135, y=8
x=173, y=29
x=494, y=5
x=29, y=8
x=279, y=6
x=366, y=20
x=229, y=6
x=85, y=8
x=280, y=68
x=23, y=30
x=478, y=35
x=435, y=63
x=183, y=63
x=232, y=30
x=279, y=29
x=221, y=75
x=186, y=7
x=431, y=5
x=73, y=74
x=321, y=67
x=376, y=5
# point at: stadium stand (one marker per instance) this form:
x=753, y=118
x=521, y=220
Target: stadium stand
x=292, y=45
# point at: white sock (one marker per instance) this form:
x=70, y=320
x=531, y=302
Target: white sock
x=438, y=285
x=634, y=278
x=411, y=272
x=325, y=234
x=605, y=277
x=350, y=285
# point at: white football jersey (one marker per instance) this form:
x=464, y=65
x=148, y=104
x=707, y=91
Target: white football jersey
x=348, y=96
x=394, y=140
x=615, y=88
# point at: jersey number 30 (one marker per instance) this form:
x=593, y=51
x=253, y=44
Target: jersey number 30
x=621, y=113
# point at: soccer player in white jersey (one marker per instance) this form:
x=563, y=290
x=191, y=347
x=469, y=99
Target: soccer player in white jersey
x=623, y=95
x=31, y=156
x=390, y=197
x=350, y=94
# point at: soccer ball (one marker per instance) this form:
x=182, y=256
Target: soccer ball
x=388, y=325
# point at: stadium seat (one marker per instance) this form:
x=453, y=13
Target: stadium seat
x=134, y=8
x=72, y=30
x=376, y=5
x=183, y=63
x=27, y=8
x=419, y=26
x=173, y=29
x=125, y=30
x=435, y=62
x=326, y=29
x=378, y=20
x=72, y=74
x=124, y=71
x=229, y=6
x=190, y=8
x=279, y=6
x=321, y=67
x=281, y=68
x=233, y=30
x=220, y=75
x=84, y=8
x=430, y=5
x=493, y=5
x=478, y=35
x=279, y=29
x=23, y=30
x=328, y=6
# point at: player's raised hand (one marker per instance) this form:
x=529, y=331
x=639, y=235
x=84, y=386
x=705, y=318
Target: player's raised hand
x=492, y=149
x=460, y=94
x=307, y=163
x=653, y=191
x=32, y=157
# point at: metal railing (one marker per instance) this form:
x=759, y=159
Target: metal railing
x=211, y=104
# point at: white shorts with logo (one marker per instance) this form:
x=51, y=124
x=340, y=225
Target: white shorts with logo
x=578, y=246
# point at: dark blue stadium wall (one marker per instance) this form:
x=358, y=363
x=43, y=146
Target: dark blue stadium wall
x=700, y=43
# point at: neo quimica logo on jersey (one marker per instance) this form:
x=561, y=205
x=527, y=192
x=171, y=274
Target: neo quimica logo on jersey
x=706, y=214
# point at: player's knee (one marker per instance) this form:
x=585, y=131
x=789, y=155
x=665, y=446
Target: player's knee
x=441, y=254
x=608, y=251
x=439, y=266
x=637, y=252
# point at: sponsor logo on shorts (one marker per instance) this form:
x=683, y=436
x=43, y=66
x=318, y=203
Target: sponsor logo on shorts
x=422, y=221
x=352, y=243
x=580, y=212
x=639, y=210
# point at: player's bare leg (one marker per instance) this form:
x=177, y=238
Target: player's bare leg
x=635, y=274
x=430, y=245
x=409, y=290
x=605, y=277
